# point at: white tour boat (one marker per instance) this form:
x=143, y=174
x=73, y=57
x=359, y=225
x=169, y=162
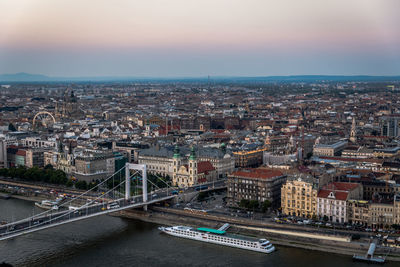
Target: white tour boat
x=220, y=237
x=47, y=204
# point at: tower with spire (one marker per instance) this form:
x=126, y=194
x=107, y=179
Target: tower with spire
x=176, y=158
x=353, y=133
x=192, y=167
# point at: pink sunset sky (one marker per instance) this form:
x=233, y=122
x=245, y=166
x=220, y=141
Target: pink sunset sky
x=195, y=38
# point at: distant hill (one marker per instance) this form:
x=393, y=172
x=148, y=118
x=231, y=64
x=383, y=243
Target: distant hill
x=27, y=77
x=23, y=77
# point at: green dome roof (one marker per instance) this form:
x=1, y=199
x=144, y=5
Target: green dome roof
x=176, y=152
x=192, y=154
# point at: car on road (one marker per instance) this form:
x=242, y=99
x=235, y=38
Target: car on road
x=113, y=206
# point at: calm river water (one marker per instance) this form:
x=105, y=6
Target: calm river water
x=111, y=241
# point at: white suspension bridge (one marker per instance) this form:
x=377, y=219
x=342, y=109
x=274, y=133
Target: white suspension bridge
x=94, y=202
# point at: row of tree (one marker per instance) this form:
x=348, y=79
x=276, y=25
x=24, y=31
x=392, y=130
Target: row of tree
x=46, y=175
x=254, y=205
x=36, y=174
x=50, y=175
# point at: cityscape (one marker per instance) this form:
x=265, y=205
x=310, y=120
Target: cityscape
x=197, y=140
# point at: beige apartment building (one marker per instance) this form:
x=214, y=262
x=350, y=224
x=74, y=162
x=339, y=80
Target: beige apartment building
x=299, y=198
x=374, y=214
x=358, y=212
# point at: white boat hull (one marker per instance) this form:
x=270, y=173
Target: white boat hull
x=205, y=237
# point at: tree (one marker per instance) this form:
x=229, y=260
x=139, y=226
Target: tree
x=244, y=203
x=253, y=205
x=11, y=127
x=49, y=167
x=265, y=205
x=81, y=185
x=325, y=218
x=69, y=183
x=202, y=196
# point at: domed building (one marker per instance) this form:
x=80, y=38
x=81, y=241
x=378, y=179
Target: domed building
x=68, y=108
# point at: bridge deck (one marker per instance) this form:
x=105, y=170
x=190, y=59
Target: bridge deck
x=40, y=223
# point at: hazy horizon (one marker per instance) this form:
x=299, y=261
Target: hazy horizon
x=189, y=38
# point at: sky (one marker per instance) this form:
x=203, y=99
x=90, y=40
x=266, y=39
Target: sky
x=192, y=38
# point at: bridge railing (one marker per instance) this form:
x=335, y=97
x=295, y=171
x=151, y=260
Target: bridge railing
x=62, y=214
x=79, y=197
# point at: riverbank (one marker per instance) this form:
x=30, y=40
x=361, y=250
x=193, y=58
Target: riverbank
x=29, y=198
x=339, y=244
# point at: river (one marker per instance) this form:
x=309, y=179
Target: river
x=112, y=241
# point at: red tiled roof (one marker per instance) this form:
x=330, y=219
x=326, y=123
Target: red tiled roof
x=21, y=153
x=258, y=173
x=341, y=186
x=204, y=166
x=217, y=130
x=339, y=195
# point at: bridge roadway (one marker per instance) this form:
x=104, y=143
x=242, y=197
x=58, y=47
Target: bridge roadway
x=52, y=219
x=86, y=211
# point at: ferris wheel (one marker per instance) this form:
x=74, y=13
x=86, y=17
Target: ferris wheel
x=43, y=119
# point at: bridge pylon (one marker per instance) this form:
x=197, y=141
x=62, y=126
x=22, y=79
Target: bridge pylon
x=136, y=167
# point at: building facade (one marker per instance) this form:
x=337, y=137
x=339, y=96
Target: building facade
x=358, y=212
x=193, y=173
x=329, y=150
x=299, y=198
x=255, y=184
x=94, y=166
x=332, y=200
x=249, y=159
x=34, y=157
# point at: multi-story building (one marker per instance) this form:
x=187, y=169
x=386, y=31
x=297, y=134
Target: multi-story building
x=34, y=157
x=130, y=148
x=50, y=157
x=38, y=142
x=93, y=166
x=193, y=173
x=358, y=153
x=255, y=184
x=374, y=188
x=248, y=159
x=389, y=125
x=20, y=157
x=332, y=200
x=299, y=198
x=358, y=212
x=221, y=159
x=159, y=160
x=396, y=209
x=329, y=150
x=381, y=214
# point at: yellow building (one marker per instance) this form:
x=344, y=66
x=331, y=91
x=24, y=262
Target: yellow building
x=246, y=159
x=299, y=198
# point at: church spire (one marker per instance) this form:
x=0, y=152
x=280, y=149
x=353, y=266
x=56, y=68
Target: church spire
x=192, y=154
x=353, y=134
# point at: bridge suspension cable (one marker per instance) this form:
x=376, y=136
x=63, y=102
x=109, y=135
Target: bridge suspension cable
x=71, y=200
x=62, y=214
